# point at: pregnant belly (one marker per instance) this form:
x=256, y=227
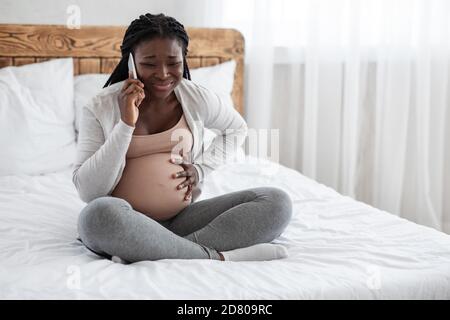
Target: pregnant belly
x=147, y=184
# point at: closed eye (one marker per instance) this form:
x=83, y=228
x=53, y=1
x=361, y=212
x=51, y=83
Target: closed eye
x=153, y=65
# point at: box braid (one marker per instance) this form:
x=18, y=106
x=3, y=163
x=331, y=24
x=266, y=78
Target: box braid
x=147, y=27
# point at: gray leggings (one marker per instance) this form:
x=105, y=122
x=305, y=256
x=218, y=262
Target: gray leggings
x=109, y=226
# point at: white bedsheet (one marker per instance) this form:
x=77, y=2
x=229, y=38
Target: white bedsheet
x=339, y=249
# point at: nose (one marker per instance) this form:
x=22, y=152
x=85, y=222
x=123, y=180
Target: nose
x=162, y=72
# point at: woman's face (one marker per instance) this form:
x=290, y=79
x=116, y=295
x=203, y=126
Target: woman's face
x=159, y=65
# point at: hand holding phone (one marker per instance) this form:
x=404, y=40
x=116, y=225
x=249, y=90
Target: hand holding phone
x=131, y=95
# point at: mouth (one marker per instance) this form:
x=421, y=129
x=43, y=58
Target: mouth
x=162, y=86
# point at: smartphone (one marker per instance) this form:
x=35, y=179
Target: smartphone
x=132, y=66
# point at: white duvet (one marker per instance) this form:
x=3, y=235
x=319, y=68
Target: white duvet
x=339, y=249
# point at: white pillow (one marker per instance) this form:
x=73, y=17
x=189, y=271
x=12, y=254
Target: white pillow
x=218, y=78
x=86, y=86
x=37, y=133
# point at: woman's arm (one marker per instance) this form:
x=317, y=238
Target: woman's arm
x=98, y=161
x=231, y=129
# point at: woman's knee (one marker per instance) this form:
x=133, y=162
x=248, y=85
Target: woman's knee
x=280, y=205
x=100, y=216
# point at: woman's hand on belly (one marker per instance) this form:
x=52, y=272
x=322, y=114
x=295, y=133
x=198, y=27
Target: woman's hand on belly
x=191, y=175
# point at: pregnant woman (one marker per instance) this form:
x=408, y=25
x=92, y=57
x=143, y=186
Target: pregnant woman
x=141, y=163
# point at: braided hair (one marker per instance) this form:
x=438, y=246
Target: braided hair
x=147, y=27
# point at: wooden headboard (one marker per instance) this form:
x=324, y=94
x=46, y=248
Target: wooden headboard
x=96, y=49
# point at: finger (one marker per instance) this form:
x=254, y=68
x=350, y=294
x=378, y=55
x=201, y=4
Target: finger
x=132, y=88
x=129, y=90
x=188, y=194
x=128, y=82
x=137, y=96
x=136, y=82
x=183, y=185
x=186, y=155
x=177, y=160
x=138, y=102
x=139, y=93
x=141, y=98
x=138, y=88
x=181, y=174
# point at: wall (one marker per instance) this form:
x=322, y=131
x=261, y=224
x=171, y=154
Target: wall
x=101, y=12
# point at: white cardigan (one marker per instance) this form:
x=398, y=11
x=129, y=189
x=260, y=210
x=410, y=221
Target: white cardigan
x=104, y=138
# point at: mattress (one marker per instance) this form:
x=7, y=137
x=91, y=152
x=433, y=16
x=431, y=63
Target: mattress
x=339, y=248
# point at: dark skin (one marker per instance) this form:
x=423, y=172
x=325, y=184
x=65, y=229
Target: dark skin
x=159, y=61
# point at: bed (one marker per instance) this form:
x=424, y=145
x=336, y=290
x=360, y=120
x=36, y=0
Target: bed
x=339, y=248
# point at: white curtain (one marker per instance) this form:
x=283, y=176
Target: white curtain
x=359, y=90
